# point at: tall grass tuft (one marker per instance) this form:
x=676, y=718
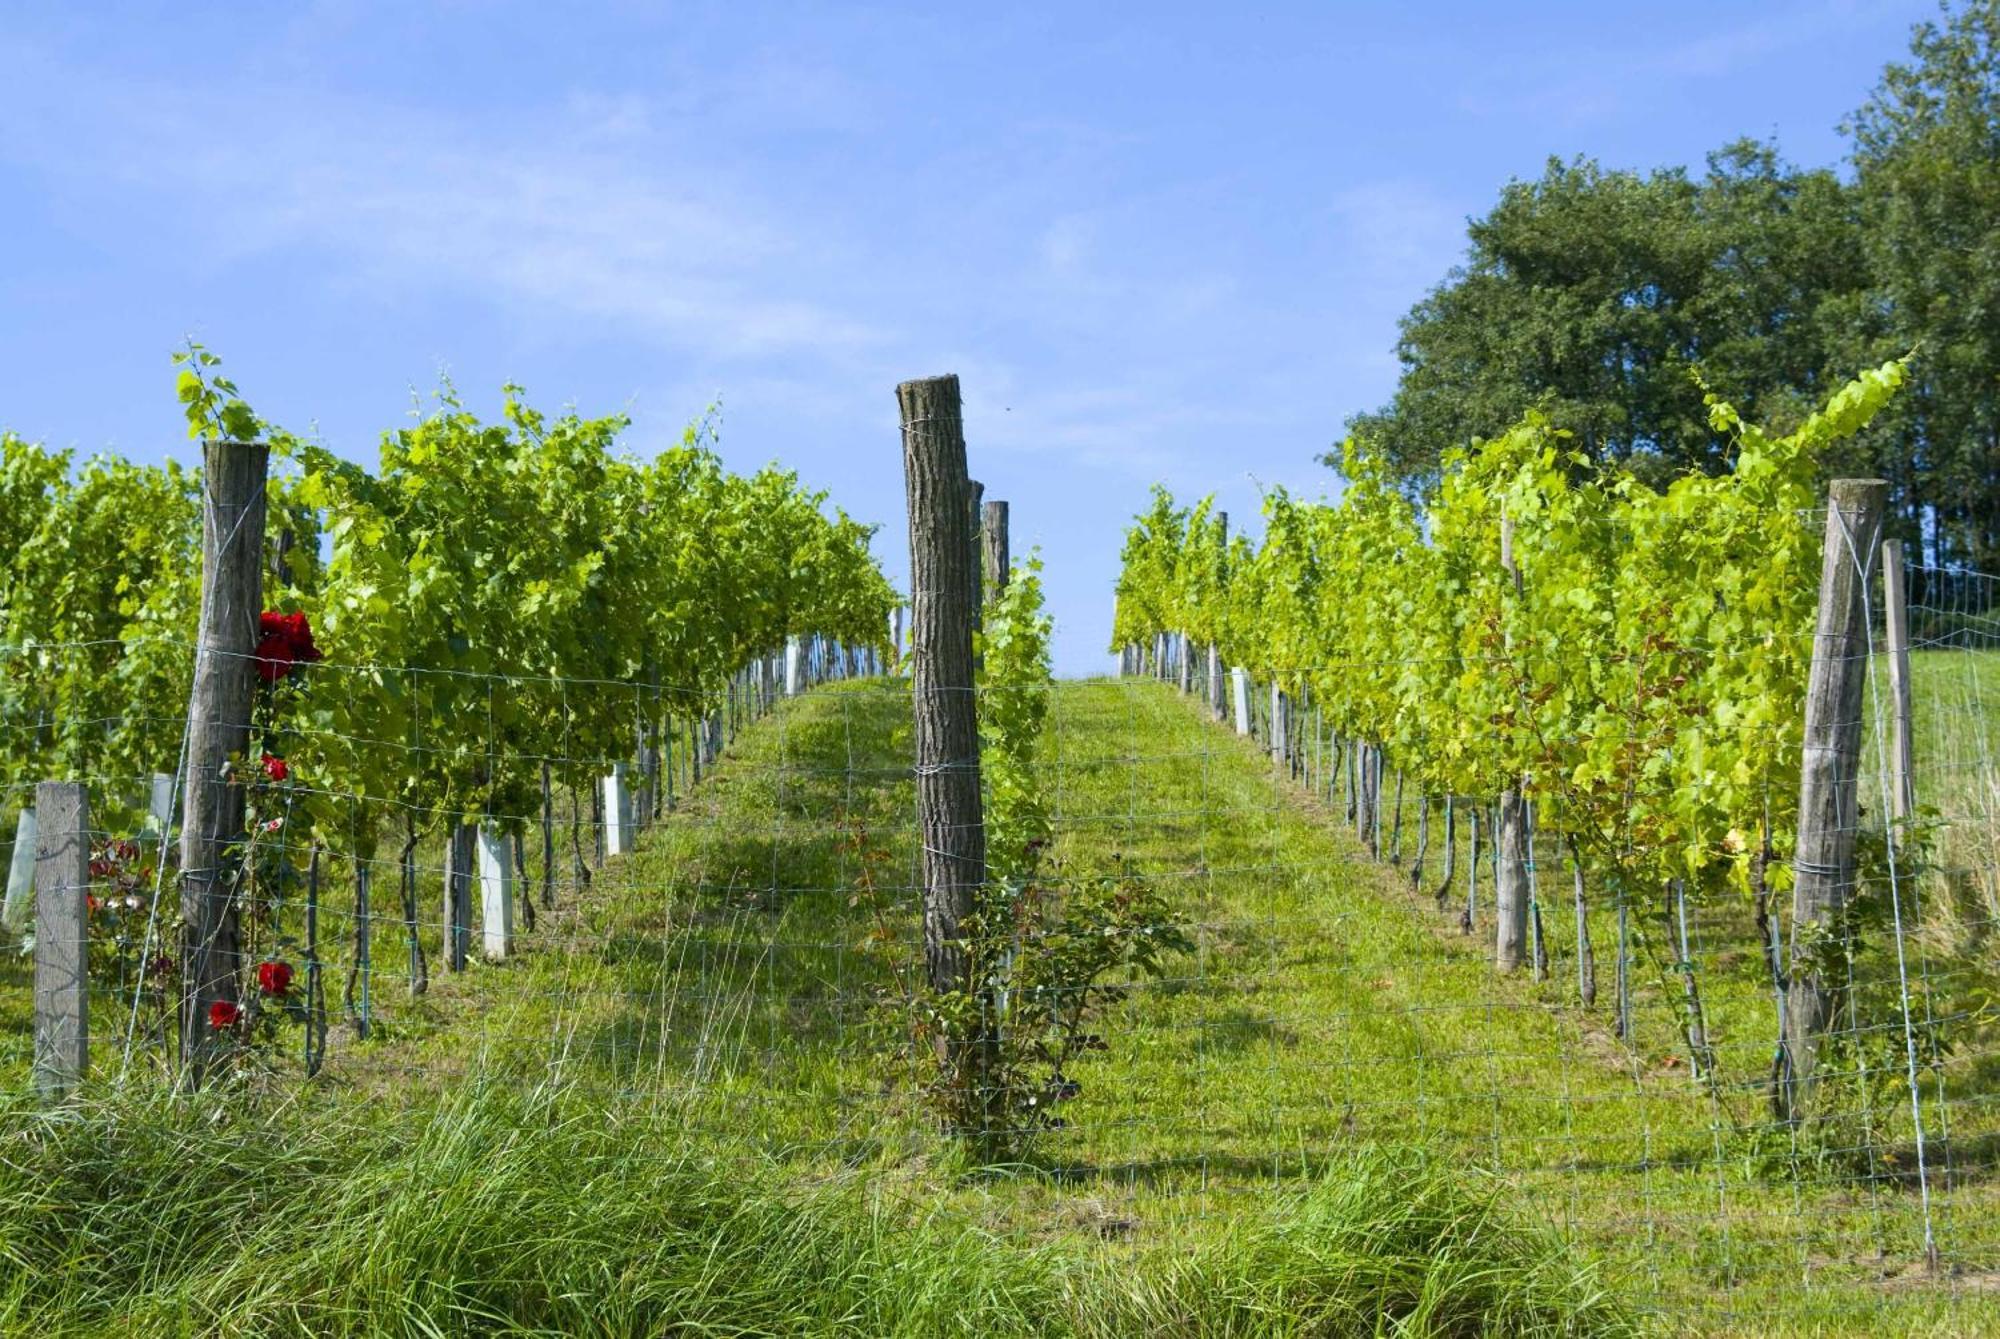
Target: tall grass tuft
x=493, y=1211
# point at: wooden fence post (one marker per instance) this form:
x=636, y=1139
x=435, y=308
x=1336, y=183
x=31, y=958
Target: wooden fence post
x=947, y=729
x=1510, y=838
x=618, y=809
x=794, y=667
x=1829, y=800
x=1239, y=683
x=62, y=935
x=219, y=711
x=994, y=549
x=1903, y=791
x=460, y=868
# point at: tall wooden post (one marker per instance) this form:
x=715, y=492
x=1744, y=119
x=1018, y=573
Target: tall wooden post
x=225, y=694
x=947, y=730
x=1829, y=800
x=62, y=935
x=994, y=548
x=1903, y=790
x=1510, y=840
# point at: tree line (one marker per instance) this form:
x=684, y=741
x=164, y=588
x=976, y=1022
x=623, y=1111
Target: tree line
x=1614, y=301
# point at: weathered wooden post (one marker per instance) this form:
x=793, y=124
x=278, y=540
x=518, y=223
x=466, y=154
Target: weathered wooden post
x=1829, y=800
x=459, y=870
x=219, y=712
x=496, y=892
x=62, y=935
x=1903, y=790
x=794, y=667
x=20, y=872
x=946, y=713
x=1510, y=839
x=994, y=549
x=1239, y=679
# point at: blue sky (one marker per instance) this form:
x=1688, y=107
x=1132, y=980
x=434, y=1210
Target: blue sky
x=1156, y=242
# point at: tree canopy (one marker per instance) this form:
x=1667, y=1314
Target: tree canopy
x=1613, y=301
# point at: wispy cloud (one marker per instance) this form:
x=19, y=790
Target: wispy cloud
x=575, y=222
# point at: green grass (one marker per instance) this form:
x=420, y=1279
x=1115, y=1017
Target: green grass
x=546, y=1213
x=1330, y=1118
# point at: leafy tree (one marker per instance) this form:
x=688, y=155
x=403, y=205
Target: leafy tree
x=1592, y=295
x=1927, y=156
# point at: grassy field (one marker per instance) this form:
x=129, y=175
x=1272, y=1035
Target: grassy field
x=1328, y=1114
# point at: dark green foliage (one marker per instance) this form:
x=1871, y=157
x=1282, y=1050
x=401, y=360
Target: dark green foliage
x=1594, y=294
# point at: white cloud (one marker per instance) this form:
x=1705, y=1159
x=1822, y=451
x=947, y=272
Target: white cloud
x=570, y=223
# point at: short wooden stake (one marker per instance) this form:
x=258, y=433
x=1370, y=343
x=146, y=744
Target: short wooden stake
x=62, y=937
x=456, y=927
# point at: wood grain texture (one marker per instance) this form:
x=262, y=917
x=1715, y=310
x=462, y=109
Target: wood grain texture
x=946, y=714
x=62, y=920
x=225, y=692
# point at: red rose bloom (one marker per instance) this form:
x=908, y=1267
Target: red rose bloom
x=222, y=1015
x=284, y=642
x=274, y=978
x=276, y=768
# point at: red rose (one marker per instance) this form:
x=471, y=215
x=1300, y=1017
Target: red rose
x=276, y=768
x=284, y=642
x=274, y=978
x=274, y=658
x=222, y=1015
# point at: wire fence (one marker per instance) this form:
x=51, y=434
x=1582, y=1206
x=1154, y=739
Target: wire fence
x=723, y=916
